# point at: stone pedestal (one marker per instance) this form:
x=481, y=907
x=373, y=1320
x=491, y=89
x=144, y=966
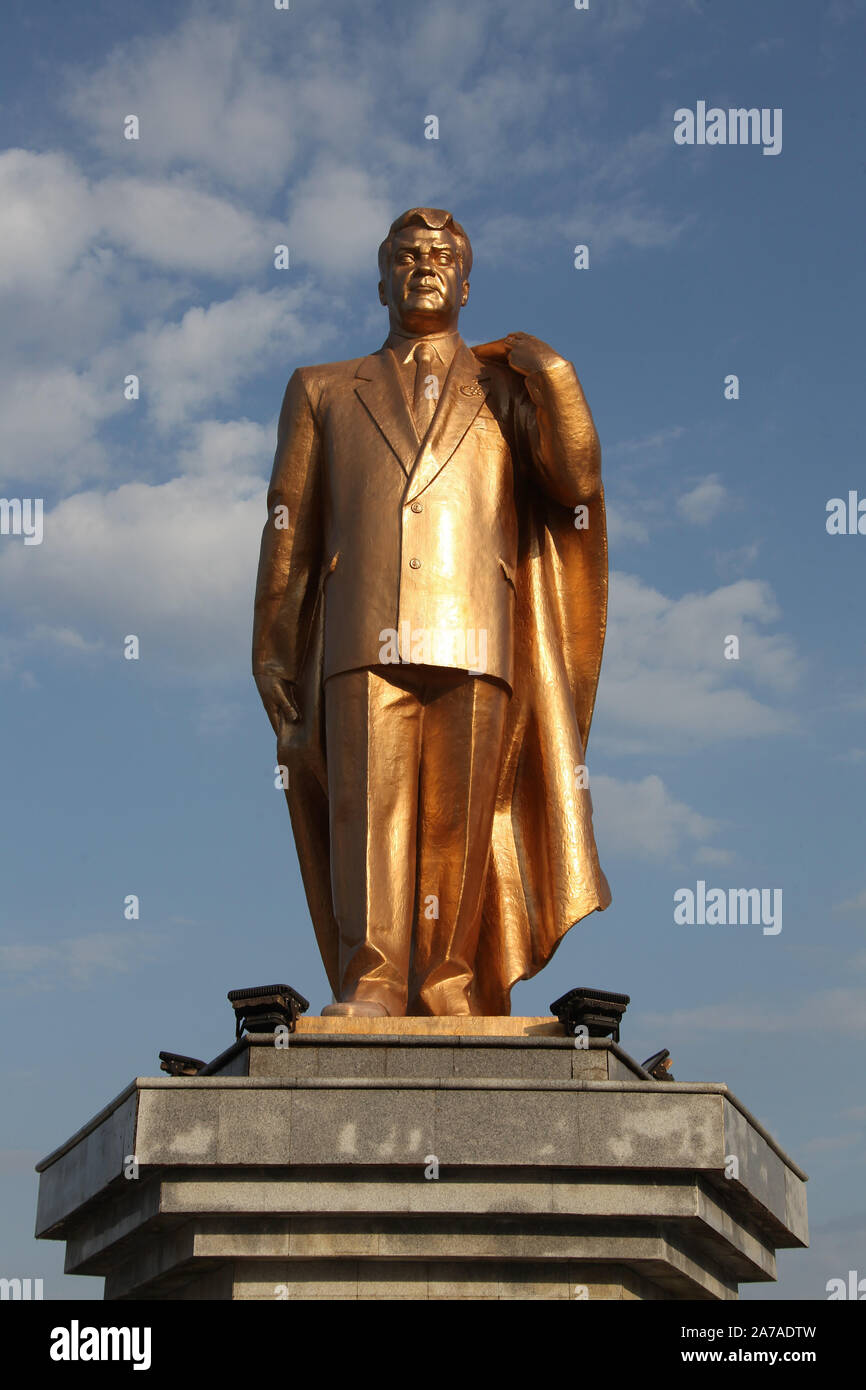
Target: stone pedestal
x=309, y=1171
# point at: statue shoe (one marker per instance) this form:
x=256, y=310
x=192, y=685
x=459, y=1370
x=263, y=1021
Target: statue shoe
x=360, y=1008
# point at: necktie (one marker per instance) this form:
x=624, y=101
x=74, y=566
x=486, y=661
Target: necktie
x=426, y=392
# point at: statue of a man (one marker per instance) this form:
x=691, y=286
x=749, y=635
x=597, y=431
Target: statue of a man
x=429, y=622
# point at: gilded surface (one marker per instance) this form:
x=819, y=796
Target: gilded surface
x=429, y=622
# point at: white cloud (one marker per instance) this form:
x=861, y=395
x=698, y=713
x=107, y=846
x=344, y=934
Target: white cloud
x=50, y=215
x=831, y=1143
x=337, y=218
x=228, y=110
x=647, y=444
x=622, y=528
x=78, y=960
x=218, y=446
x=205, y=101
x=50, y=418
x=68, y=284
x=604, y=222
x=174, y=563
x=46, y=218
x=624, y=16
x=666, y=684
x=703, y=502
x=80, y=257
x=642, y=818
x=732, y=564
x=609, y=223
x=832, y=1012
x=707, y=854
x=64, y=637
x=185, y=367
x=851, y=755
x=173, y=225
x=856, y=904
x=246, y=106
x=141, y=556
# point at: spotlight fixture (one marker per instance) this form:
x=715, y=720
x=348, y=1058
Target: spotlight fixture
x=177, y=1065
x=265, y=1008
x=659, y=1066
x=598, y=1010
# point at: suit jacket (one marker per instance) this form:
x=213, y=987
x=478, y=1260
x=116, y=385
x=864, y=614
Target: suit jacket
x=372, y=530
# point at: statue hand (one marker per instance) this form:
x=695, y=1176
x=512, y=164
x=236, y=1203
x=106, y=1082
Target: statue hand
x=522, y=352
x=279, y=697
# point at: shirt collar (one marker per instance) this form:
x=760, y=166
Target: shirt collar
x=403, y=345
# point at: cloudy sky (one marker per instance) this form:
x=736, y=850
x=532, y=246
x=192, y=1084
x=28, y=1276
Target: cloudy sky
x=155, y=258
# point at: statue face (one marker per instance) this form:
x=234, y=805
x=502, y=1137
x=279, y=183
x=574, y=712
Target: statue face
x=424, y=288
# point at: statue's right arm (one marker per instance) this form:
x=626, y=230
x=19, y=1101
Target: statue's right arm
x=290, y=557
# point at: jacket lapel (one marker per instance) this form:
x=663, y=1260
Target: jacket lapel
x=380, y=391
x=463, y=395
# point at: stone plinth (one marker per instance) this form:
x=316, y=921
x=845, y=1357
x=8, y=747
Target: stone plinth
x=307, y=1171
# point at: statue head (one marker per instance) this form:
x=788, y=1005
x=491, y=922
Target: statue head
x=424, y=264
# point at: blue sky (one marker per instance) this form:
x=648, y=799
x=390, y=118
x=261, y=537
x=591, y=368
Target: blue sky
x=155, y=257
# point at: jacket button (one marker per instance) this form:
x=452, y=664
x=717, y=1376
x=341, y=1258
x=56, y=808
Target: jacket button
x=417, y=506
x=414, y=564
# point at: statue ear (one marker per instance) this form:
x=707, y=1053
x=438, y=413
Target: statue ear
x=382, y=298
x=465, y=293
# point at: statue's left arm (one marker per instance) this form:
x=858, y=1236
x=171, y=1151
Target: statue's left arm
x=553, y=421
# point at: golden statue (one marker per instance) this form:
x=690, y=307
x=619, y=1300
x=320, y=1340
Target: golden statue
x=429, y=623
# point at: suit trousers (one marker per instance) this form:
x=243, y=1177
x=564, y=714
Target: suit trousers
x=414, y=757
